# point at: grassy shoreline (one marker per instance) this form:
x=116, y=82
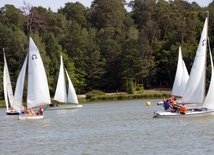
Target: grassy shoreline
x=156, y=93
x=124, y=96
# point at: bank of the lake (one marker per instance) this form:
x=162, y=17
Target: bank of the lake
x=152, y=93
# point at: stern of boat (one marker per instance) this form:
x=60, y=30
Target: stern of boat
x=155, y=114
x=79, y=106
x=30, y=117
x=11, y=113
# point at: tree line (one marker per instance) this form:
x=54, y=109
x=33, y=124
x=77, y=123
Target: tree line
x=104, y=47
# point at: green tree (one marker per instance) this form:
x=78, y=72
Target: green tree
x=75, y=12
x=75, y=42
x=12, y=17
x=109, y=13
x=53, y=51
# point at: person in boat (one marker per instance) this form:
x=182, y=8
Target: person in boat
x=30, y=112
x=40, y=111
x=166, y=104
x=172, y=98
x=12, y=110
x=27, y=111
x=183, y=109
x=173, y=104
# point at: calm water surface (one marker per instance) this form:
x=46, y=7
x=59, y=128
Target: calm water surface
x=107, y=128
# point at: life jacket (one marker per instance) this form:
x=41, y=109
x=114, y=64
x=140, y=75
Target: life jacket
x=183, y=109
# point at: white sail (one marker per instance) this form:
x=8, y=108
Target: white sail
x=195, y=88
x=18, y=95
x=37, y=87
x=181, y=77
x=8, y=92
x=209, y=100
x=60, y=93
x=72, y=96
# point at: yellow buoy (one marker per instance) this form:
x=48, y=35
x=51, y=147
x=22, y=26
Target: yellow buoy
x=148, y=103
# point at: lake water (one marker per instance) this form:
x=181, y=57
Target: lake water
x=107, y=128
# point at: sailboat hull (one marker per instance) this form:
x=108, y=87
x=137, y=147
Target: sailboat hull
x=160, y=103
x=64, y=107
x=189, y=113
x=30, y=117
x=11, y=113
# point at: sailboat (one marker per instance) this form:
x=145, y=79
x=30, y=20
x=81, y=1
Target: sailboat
x=181, y=78
x=69, y=98
x=194, y=92
x=8, y=91
x=37, y=86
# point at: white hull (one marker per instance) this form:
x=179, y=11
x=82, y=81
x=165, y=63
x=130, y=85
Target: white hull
x=30, y=117
x=64, y=107
x=160, y=103
x=189, y=113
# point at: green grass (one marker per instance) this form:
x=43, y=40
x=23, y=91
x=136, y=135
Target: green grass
x=2, y=104
x=113, y=97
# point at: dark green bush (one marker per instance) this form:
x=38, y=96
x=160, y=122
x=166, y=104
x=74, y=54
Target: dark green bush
x=94, y=93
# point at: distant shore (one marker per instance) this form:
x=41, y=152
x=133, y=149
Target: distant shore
x=151, y=93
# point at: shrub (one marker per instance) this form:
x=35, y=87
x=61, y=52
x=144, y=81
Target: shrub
x=94, y=93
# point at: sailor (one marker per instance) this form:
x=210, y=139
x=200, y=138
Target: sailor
x=27, y=111
x=12, y=110
x=183, y=109
x=166, y=104
x=32, y=112
x=40, y=111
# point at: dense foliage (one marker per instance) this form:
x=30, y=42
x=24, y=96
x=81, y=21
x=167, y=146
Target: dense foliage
x=104, y=47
